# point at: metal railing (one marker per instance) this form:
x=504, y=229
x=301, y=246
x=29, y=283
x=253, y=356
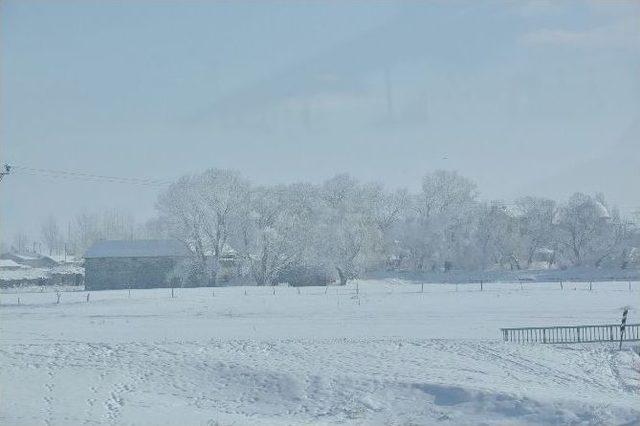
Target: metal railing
x=572, y=334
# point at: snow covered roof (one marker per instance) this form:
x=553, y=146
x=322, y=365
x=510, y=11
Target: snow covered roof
x=35, y=260
x=61, y=258
x=601, y=210
x=24, y=274
x=137, y=248
x=67, y=269
x=24, y=256
x=10, y=264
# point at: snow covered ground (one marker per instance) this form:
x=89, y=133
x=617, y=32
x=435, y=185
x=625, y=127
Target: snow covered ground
x=243, y=355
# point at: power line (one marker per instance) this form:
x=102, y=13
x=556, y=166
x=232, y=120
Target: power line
x=159, y=183
x=87, y=177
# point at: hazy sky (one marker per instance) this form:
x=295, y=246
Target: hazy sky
x=540, y=98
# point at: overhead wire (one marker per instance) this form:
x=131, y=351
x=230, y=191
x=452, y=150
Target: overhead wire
x=88, y=177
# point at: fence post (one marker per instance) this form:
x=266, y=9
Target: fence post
x=544, y=335
x=18, y=300
x=561, y=286
x=590, y=285
x=480, y=285
x=622, y=326
x=422, y=288
x=88, y=295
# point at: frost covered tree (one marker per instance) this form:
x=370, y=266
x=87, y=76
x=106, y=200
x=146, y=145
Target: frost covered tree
x=224, y=195
x=496, y=236
x=281, y=232
x=584, y=224
x=614, y=241
x=182, y=215
x=350, y=227
x=442, y=224
x=444, y=191
x=200, y=210
x=387, y=209
x=344, y=227
x=354, y=222
x=536, y=216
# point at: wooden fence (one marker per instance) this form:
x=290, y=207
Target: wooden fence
x=572, y=334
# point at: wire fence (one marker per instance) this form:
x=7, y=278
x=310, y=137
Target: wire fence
x=355, y=289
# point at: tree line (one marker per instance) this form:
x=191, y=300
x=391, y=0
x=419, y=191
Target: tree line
x=347, y=227
x=344, y=228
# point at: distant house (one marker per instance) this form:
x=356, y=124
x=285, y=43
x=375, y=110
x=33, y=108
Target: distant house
x=132, y=263
x=13, y=274
x=33, y=260
x=10, y=265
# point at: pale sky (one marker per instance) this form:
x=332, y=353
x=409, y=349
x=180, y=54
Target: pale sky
x=525, y=98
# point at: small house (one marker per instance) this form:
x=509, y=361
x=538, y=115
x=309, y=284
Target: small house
x=120, y=264
x=21, y=275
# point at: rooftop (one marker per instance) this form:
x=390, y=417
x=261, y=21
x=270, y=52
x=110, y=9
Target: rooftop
x=10, y=264
x=137, y=248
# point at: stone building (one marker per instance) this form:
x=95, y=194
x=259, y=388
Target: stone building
x=124, y=264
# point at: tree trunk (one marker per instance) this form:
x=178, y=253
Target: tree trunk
x=342, y=276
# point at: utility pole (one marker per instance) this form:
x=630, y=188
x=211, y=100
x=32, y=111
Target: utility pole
x=7, y=170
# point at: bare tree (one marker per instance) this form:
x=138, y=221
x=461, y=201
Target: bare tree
x=20, y=242
x=50, y=233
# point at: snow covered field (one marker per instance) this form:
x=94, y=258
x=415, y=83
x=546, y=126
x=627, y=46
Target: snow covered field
x=382, y=354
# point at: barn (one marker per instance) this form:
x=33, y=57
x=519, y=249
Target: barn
x=119, y=264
